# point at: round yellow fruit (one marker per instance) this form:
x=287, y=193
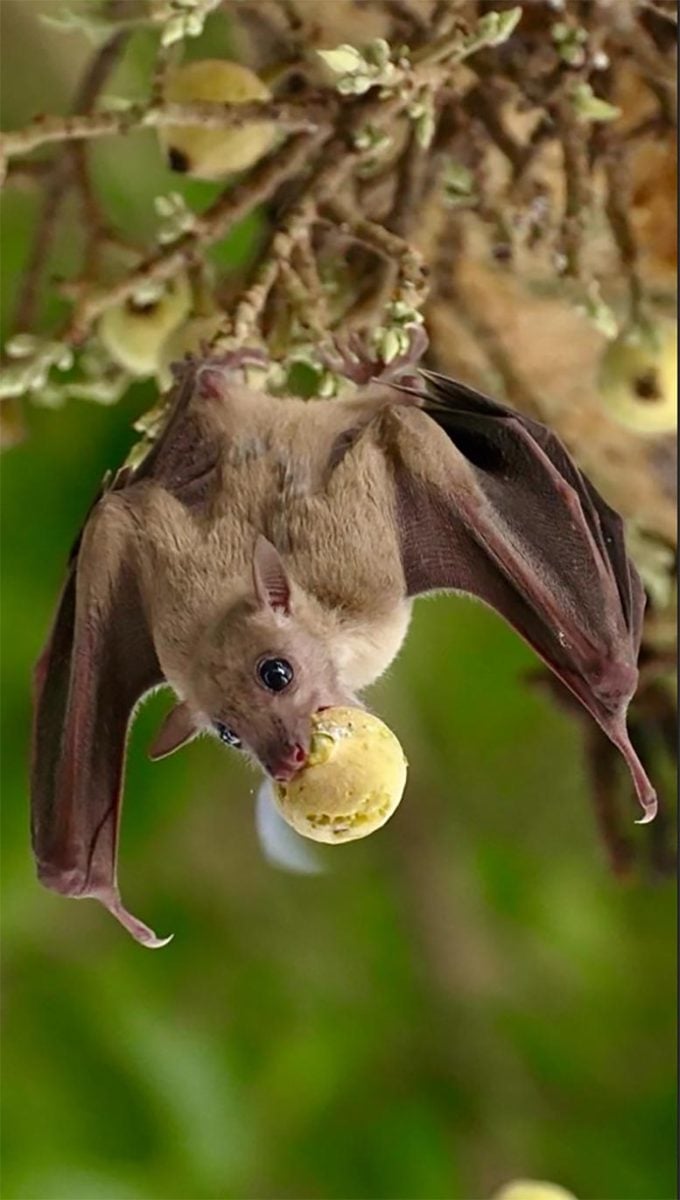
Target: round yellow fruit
x=533, y=1189
x=189, y=338
x=134, y=332
x=639, y=379
x=352, y=783
x=213, y=153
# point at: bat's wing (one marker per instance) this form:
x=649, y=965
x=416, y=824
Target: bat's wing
x=99, y=661
x=185, y=458
x=490, y=503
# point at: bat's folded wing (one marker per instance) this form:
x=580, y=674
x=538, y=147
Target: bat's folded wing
x=490, y=503
x=98, y=662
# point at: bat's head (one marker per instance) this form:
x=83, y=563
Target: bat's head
x=260, y=673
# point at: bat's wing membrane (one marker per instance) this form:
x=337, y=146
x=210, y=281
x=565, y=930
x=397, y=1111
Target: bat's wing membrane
x=185, y=457
x=100, y=660
x=97, y=664
x=490, y=503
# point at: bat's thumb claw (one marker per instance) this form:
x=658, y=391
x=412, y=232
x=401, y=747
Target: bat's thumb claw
x=645, y=792
x=650, y=806
x=139, y=931
x=643, y=787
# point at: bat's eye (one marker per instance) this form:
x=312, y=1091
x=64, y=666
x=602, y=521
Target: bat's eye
x=275, y=673
x=227, y=735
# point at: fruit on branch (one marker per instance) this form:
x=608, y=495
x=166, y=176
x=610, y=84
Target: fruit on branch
x=212, y=153
x=638, y=378
x=533, y=1189
x=188, y=338
x=352, y=782
x=135, y=332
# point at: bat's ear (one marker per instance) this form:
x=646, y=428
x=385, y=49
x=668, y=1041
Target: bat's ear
x=178, y=728
x=272, y=585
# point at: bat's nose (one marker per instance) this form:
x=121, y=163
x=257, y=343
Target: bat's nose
x=289, y=763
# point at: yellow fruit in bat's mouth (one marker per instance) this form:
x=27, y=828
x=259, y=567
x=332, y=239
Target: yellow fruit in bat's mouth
x=352, y=782
x=639, y=380
x=211, y=153
x=134, y=332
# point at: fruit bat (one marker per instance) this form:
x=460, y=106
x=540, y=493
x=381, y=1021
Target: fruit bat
x=262, y=561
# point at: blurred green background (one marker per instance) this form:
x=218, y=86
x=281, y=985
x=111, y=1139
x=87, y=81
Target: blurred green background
x=465, y=998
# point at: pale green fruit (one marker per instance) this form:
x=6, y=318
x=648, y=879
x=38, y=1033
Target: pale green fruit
x=188, y=338
x=353, y=780
x=213, y=153
x=639, y=379
x=134, y=332
x=532, y=1189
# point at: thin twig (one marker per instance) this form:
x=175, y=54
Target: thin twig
x=252, y=303
x=480, y=104
x=618, y=208
x=413, y=284
x=577, y=183
x=208, y=228
x=289, y=116
x=410, y=183
x=60, y=175
x=307, y=270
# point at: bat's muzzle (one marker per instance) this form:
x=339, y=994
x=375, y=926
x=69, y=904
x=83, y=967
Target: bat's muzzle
x=291, y=761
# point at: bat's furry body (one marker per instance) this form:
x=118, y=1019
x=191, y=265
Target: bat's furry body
x=334, y=529
x=259, y=526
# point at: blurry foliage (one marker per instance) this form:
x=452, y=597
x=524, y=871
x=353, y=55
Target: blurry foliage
x=467, y=998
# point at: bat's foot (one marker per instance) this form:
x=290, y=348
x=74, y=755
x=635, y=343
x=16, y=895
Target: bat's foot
x=75, y=882
x=652, y=732
x=354, y=358
x=210, y=371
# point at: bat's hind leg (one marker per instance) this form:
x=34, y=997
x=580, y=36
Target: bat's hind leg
x=356, y=359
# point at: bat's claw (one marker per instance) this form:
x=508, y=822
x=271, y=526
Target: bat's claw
x=80, y=886
x=209, y=369
x=646, y=795
x=356, y=359
x=651, y=807
x=138, y=930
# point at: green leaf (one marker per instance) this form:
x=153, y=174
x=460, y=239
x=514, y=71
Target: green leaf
x=589, y=107
x=344, y=60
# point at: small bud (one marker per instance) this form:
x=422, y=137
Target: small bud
x=424, y=128
x=194, y=24
x=589, y=107
x=174, y=31
x=390, y=345
x=354, y=85
x=328, y=385
x=378, y=53
x=344, y=60
x=21, y=345
x=496, y=27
